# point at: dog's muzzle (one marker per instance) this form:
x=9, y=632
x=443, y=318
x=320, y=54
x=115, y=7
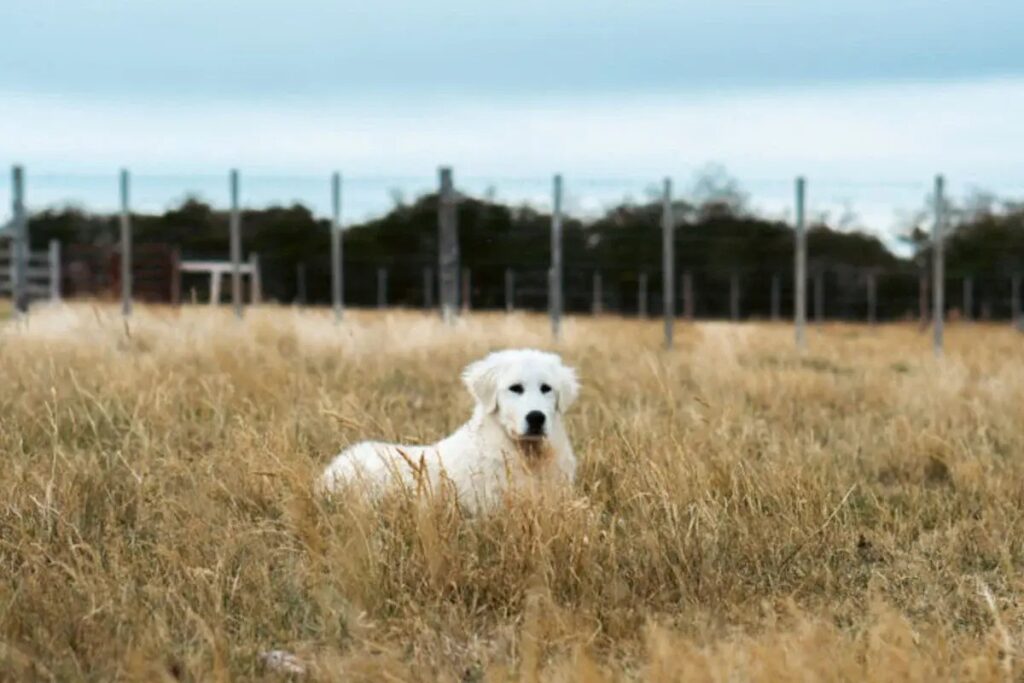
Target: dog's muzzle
x=535, y=423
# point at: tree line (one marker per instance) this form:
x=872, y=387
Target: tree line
x=718, y=241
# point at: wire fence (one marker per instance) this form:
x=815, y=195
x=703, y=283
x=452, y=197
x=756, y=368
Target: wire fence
x=633, y=284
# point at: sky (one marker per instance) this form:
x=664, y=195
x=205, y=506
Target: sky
x=868, y=99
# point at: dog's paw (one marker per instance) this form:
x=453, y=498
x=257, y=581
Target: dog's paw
x=282, y=661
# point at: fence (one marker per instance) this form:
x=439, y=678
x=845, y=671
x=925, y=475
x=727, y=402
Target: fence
x=153, y=273
x=39, y=271
x=635, y=284
x=839, y=293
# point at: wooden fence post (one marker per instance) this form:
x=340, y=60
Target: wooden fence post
x=688, y=301
x=819, y=296
x=337, y=262
x=255, y=279
x=734, y=296
x=215, y=284
x=176, y=276
x=382, y=288
x=55, y=271
x=1015, y=313
x=428, y=288
x=668, y=261
x=800, y=268
x=597, y=305
x=126, y=246
x=555, y=272
x=967, y=300
x=939, y=266
x=776, y=297
x=467, y=289
x=236, y=246
x=19, y=243
x=300, y=284
x=510, y=290
x=922, y=299
x=641, y=295
x=872, y=298
x=448, y=247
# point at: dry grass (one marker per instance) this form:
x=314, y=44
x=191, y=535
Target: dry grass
x=742, y=513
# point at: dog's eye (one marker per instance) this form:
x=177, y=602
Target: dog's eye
x=544, y=388
x=516, y=388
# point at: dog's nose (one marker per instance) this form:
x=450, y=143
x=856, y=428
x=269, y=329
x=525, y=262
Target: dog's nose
x=535, y=421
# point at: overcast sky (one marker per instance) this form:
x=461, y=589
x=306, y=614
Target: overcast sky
x=259, y=50
x=848, y=91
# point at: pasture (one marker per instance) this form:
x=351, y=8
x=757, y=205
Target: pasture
x=742, y=512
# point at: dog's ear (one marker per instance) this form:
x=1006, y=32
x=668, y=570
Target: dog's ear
x=481, y=378
x=567, y=388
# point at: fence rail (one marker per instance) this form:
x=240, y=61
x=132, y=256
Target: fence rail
x=40, y=273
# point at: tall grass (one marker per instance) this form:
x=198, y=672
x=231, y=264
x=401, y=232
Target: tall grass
x=741, y=513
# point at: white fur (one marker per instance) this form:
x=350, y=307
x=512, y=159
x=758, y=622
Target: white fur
x=494, y=451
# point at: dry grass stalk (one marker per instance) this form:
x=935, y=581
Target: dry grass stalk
x=742, y=512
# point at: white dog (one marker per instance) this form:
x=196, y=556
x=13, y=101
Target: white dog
x=514, y=437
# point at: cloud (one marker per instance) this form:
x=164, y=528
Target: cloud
x=875, y=147
x=266, y=49
x=883, y=131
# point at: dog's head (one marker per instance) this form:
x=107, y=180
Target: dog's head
x=525, y=390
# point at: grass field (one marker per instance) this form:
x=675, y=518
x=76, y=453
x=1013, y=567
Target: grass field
x=742, y=512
